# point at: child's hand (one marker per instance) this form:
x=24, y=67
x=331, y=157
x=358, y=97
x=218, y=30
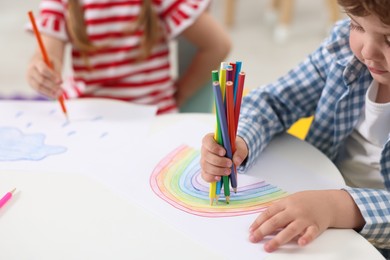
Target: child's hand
x=213, y=161
x=44, y=79
x=303, y=215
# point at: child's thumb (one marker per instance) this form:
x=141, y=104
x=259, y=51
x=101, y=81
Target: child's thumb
x=241, y=152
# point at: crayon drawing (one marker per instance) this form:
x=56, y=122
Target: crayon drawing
x=176, y=179
x=16, y=145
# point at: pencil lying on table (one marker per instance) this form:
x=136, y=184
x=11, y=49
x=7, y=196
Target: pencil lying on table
x=6, y=197
x=46, y=57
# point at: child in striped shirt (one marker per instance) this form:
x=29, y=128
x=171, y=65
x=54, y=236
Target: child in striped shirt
x=345, y=85
x=120, y=49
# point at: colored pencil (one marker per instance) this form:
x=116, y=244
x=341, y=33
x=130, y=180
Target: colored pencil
x=229, y=74
x=222, y=81
x=6, y=197
x=214, y=75
x=212, y=192
x=228, y=84
x=234, y=67
x=215, y=187
x=237, y=72
x=46, y=57
x=224, y=75
x=237, y=106
x=231, y=127
x=226, y=188
x=224, y=128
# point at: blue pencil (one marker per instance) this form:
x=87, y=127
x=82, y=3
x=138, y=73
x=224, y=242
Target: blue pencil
x=235, y=82
x=224, y=129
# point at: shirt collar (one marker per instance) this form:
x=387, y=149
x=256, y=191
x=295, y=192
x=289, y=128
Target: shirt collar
x=344, y=56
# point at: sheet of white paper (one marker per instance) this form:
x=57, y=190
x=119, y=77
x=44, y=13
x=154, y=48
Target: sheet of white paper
x=100, y=140
x=228, y=235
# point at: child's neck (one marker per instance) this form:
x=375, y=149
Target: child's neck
x=383, y=95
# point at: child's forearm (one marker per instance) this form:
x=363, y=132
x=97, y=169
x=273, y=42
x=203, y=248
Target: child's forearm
x=212, y=46
x=55, y=49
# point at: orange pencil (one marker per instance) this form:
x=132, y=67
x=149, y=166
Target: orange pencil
x=45, y=57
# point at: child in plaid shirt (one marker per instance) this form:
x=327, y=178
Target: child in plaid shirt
x=345, y=85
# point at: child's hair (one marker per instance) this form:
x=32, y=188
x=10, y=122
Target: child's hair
x=379, y=8
x=146, y=21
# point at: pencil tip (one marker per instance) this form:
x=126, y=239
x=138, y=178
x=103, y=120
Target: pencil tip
x=13, y=190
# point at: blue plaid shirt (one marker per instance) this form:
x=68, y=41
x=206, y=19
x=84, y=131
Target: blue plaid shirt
x=331, y=85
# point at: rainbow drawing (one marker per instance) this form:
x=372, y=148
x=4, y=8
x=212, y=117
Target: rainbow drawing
x=176, y=179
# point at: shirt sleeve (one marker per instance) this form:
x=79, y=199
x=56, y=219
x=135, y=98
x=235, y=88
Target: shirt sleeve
x=178, y=15
x=375, y=208
x=271, y=109
x=51, y=19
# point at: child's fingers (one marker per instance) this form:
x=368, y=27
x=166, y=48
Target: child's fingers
x=44, y=85
x=269, y=213
x=241, y=151
x=214, y=165
x=284, y=236
x=269, y=226
x=210, y=177
x=238, y=158
x=215, y=170
x=210, y=159
x=45, y=71
x=41, y=88
x=309, y=235
x=209, y=144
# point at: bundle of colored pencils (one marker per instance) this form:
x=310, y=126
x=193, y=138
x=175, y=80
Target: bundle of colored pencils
x=228, y=86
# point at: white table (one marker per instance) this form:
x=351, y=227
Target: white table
x=304, y=168
x=68, y=216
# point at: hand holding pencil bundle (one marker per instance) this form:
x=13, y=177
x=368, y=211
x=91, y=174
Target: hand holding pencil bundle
x=228, y=85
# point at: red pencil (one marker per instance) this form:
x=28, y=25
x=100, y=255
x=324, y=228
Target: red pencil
x=46, y=57
x=237, y=106
x=230, y=120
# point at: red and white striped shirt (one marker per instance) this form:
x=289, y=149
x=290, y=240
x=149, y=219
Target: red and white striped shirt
x=113, y=71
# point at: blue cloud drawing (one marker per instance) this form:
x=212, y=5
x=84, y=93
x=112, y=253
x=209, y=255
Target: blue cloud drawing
x=16, y=146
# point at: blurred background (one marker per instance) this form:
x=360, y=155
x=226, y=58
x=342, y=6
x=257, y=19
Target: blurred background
x=267, y=45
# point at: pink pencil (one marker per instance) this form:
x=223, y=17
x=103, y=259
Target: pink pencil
x=6, y=197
